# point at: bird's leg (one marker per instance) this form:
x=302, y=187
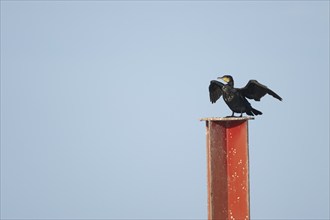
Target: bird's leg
x=230, y=116
x=241, y=114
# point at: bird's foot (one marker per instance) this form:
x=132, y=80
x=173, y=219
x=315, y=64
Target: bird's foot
x=232, y=116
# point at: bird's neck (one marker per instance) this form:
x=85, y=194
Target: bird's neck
x=231, y=83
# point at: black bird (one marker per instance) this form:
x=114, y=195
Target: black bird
x=235, y=98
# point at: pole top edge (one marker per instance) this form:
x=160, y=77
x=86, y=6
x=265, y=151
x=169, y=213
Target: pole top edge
x=227, y=118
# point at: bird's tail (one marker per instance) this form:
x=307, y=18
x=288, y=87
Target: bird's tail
x=256, y=112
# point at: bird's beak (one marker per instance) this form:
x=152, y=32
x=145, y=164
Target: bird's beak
x=224, y=78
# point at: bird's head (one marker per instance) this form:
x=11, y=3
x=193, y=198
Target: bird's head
x=227, y=79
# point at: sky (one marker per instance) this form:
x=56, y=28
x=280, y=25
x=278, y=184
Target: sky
x=101, y=101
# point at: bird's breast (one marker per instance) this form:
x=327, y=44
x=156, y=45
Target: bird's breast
x=228, y=97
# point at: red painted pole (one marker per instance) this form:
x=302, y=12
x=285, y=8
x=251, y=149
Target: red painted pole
x=228, y=168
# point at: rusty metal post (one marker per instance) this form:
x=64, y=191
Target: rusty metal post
x=228, y=168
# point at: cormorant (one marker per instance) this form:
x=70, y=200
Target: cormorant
x=235, y=98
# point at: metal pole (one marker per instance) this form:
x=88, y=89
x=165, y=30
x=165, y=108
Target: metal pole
x=228, y=168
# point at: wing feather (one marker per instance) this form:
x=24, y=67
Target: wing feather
x=255, y=90
x=215, y=90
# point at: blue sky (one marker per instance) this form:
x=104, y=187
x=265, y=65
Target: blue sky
x=100, y=106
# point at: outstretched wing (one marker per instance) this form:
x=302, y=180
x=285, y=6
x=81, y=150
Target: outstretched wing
x=255, y=90
x=215, y=90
